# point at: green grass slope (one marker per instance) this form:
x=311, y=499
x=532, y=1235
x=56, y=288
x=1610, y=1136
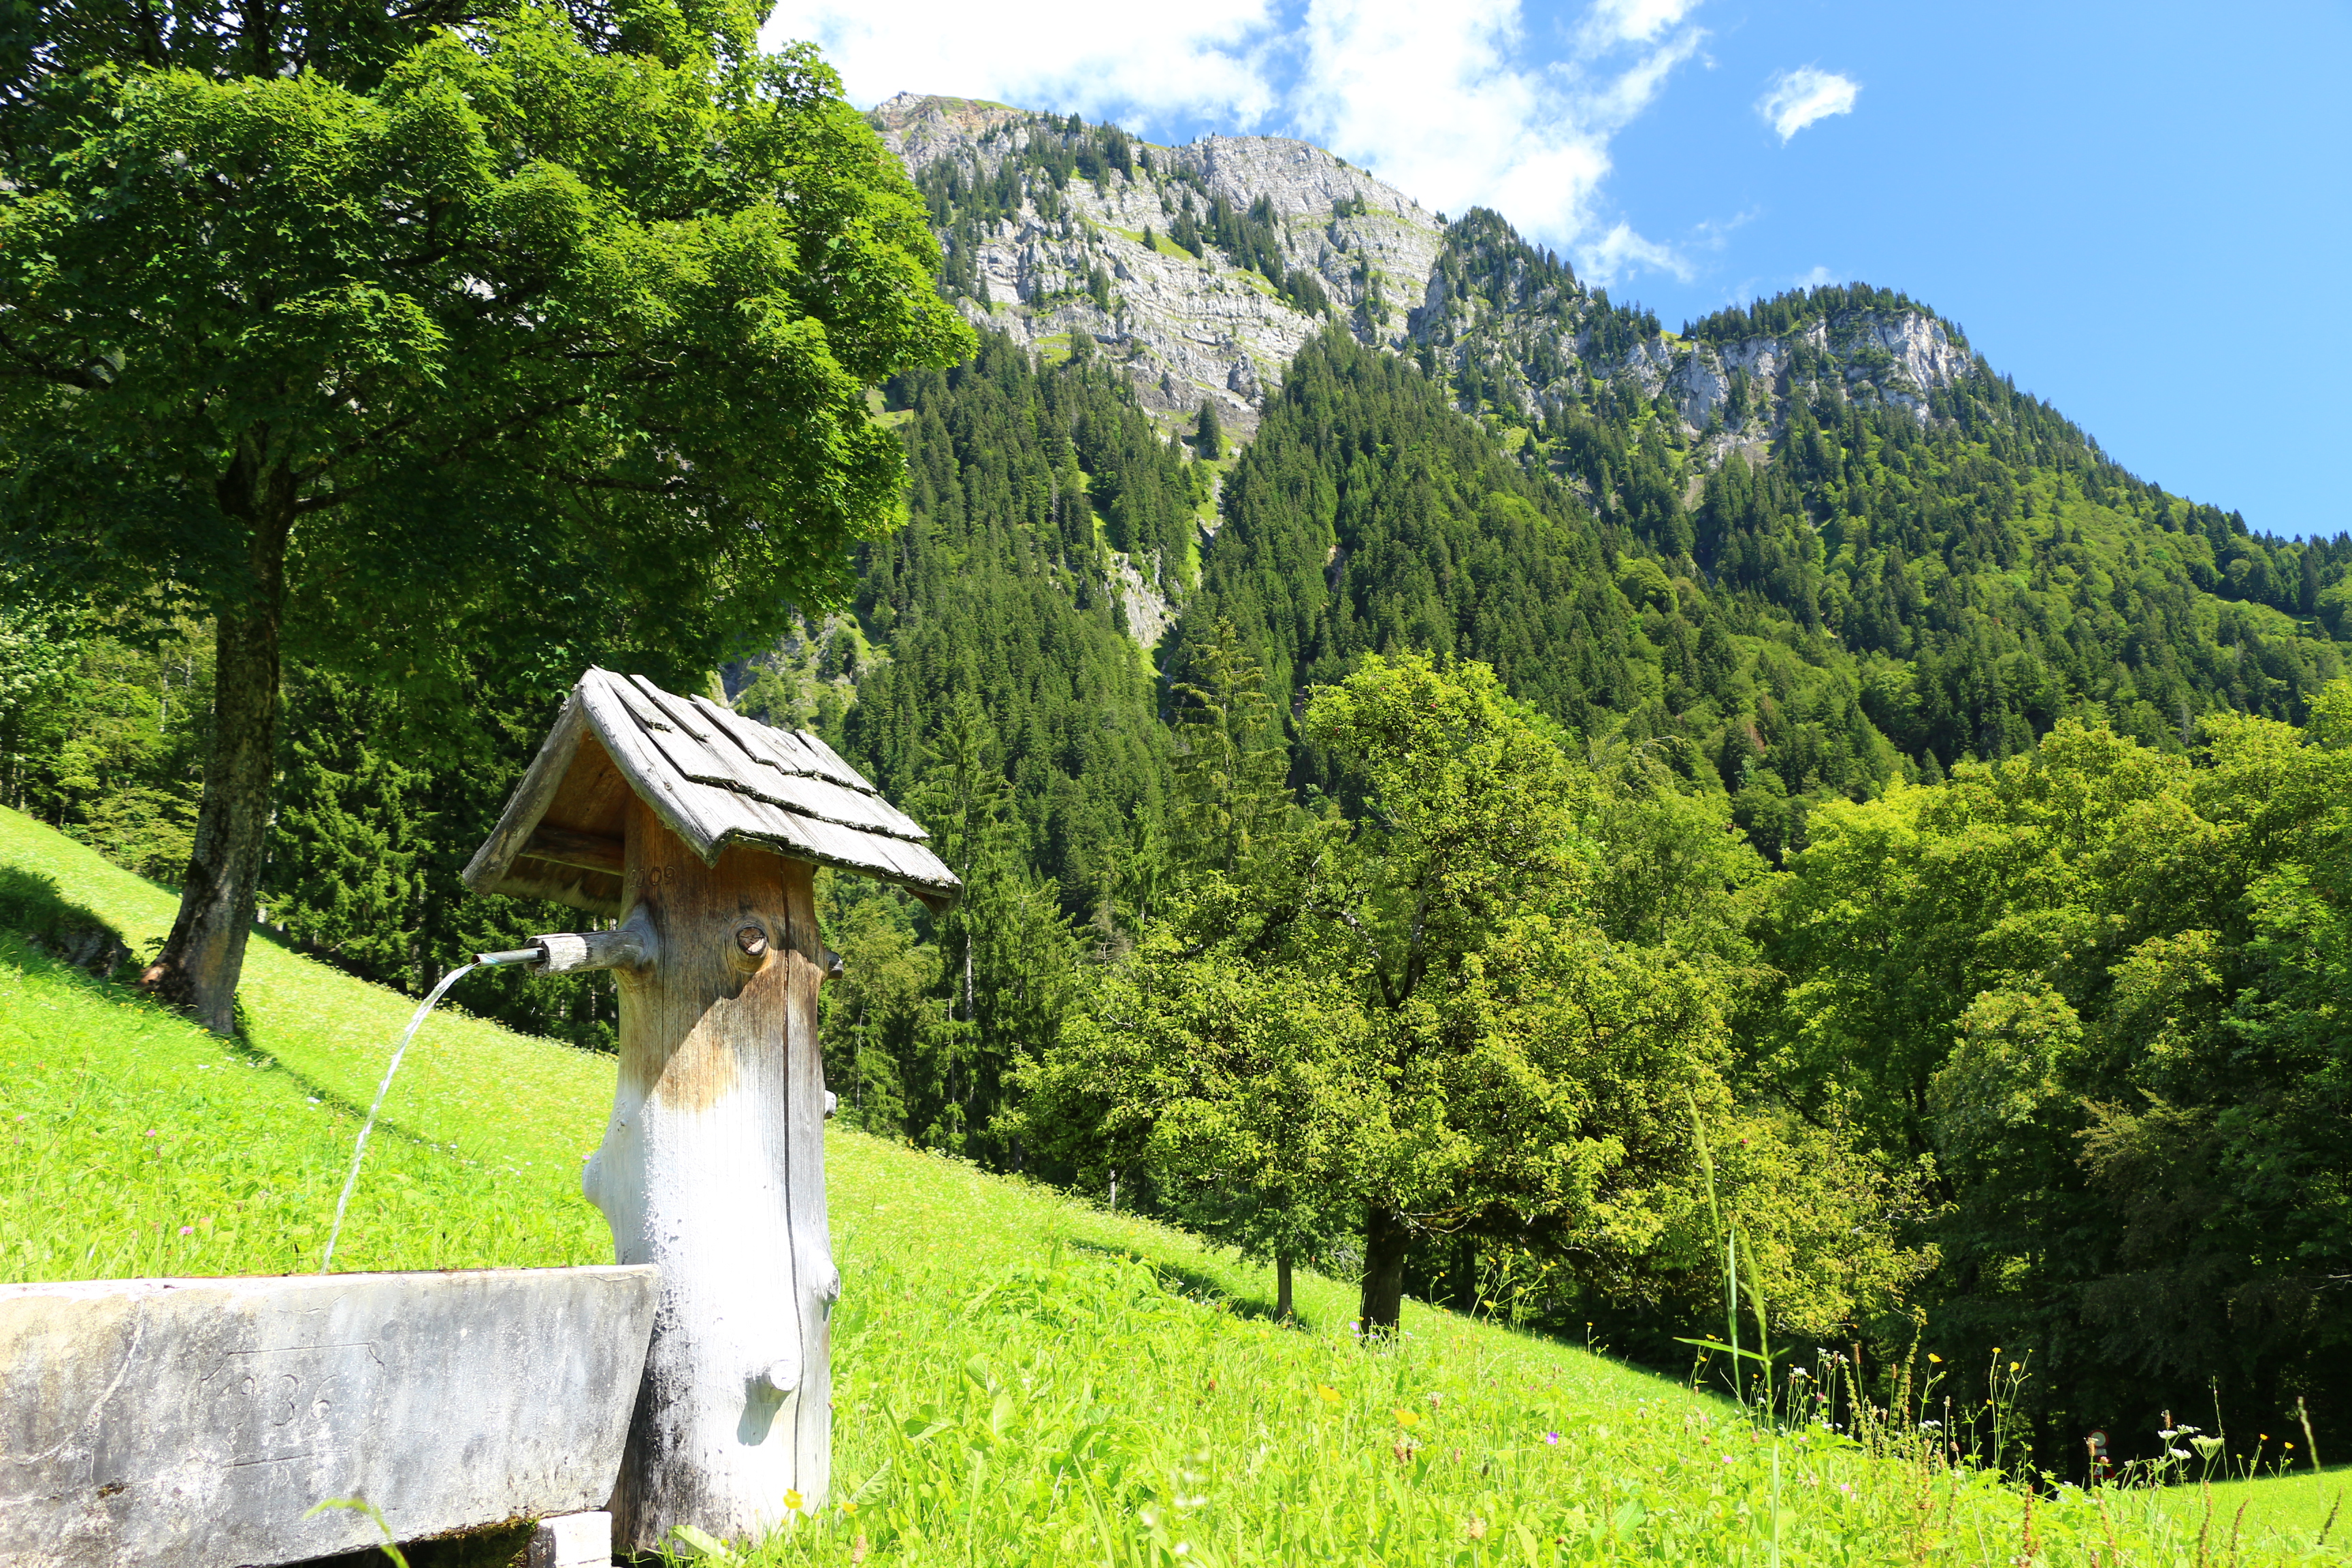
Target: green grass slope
x=1019, y=1379
x=133, y=1142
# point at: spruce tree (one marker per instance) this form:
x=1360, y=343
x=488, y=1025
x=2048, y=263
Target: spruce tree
x=1230, y=757
x=1208, y=439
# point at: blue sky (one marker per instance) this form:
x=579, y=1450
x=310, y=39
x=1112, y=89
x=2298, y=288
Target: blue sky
x=2143, y=212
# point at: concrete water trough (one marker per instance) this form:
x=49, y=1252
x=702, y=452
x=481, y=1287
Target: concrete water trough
x=198, y=1421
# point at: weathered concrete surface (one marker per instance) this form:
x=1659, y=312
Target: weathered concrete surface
x=573, y=1540
x=196, y=1421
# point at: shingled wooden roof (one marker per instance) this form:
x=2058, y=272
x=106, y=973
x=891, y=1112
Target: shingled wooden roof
x=713, y=776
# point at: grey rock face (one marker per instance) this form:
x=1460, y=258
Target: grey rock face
x=1187, y=329
x=197, y=1420
x=1896, y=357
x=1053, y=243
x=1192, y=328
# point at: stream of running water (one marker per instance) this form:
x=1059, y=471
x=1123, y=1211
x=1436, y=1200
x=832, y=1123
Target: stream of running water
x=360, y=1151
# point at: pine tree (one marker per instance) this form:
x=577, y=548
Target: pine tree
x=1207, y=438
x=1230, y=757
x=343, y=877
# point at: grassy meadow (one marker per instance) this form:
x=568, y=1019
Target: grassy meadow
x=1019, y=1378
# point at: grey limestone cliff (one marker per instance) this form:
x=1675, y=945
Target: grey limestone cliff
x=1053, y=262
x=1059, y=234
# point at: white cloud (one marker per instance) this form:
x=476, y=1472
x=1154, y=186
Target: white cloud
x=1818, y=278
x=1456, y=105
x=1445, y=103
x=1634, y=21
x=1621, y=250
x=1134, y=63
x=1797, y=97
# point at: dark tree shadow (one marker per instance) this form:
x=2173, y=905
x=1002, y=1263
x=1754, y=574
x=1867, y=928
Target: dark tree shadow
x=32, y=906
x=1197, y=1281
x=62, y=933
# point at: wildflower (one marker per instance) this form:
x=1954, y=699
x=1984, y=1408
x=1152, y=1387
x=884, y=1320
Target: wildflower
x=187, y=1230
x=1435, y=1398
x=1934, y=1357
x=151, y=1133
x=1552, y=1438
x=849, y=1510
x=1408, y=1417
x=1328, y=1394
x=1475, y=1529
x=2177, y=1453
x=1846, y=1487
x=2012, y=1367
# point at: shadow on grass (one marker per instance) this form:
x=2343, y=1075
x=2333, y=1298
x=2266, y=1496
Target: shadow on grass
x=35, y=907
x=29, y=898
x=1196, y=1281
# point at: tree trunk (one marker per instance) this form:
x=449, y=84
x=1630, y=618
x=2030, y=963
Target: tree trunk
x=1282, y=1286
x=198, y=968
x=712, y=1168
x=1384, y=1250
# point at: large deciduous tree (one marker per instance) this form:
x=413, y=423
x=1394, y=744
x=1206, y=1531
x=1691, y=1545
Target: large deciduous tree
x=2106, y=987
x=1409, y=1012
x=406, y=341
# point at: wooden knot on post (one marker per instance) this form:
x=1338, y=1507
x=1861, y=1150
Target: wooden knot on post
x=751, y=949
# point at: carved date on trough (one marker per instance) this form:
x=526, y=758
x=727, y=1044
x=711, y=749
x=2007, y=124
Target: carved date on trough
x=196, y=1421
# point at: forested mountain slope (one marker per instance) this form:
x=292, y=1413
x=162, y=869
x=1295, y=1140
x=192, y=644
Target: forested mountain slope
x=1794, y=553
x=1843, y=548
x=1797, y=550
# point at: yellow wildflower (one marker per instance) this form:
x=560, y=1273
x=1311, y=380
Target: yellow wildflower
x=1331, y=1395
x=1408, y=1417
x=793, y=1500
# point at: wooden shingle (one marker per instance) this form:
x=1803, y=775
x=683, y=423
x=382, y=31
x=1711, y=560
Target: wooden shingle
x=712, y=776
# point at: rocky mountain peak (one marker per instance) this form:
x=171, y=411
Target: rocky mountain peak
x=1201, y=268
x=1204, y=268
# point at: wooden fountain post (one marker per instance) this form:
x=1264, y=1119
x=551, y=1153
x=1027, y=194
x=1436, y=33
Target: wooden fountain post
x=712, y=1169
x=700, y=831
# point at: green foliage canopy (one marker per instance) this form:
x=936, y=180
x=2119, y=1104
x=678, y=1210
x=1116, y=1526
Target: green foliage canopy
x=2104, y=988
x=526, y=338
x=1407, y=1014
x=455, y=348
